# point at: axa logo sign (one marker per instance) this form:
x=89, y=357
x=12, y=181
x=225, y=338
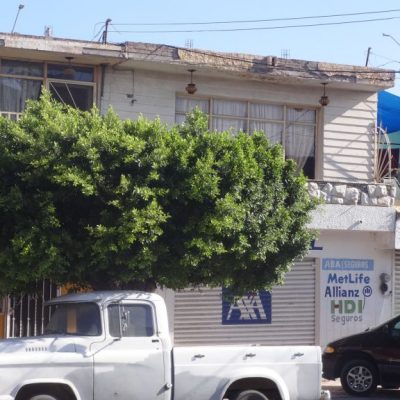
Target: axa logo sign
x=253, y=308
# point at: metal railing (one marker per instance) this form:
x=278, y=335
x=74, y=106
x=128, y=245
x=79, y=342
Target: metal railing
x=383, y=168
x=11, y=115
x=26, y=313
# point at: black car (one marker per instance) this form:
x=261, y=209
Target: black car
x=365, y=360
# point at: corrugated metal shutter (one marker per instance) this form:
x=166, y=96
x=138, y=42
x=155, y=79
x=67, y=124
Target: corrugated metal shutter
x=198, y=317
x=396, y=284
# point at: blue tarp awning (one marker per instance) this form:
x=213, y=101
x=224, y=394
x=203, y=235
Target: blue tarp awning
x=389, y=111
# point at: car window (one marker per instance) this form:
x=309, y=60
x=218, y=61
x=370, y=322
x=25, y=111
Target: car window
x=130, y=320
x=395, y=331
x=80, y=319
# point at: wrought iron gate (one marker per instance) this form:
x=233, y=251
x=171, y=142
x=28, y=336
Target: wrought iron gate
x=26, y=314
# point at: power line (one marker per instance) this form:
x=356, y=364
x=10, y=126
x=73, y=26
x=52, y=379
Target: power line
x=258, y=20
x=264, y=27
x=99, y=32
x=388, y=60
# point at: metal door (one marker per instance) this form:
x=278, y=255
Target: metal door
x=198, y=314
x=131, y=365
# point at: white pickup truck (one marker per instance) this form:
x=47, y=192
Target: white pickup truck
x=116, y=345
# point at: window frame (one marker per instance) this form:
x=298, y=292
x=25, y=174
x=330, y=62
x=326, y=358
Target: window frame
x=46, y=81
x=131, y=303
x=317, y=124
x=75, y=303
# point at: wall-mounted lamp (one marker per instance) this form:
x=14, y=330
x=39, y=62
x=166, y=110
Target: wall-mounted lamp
x=191, y=87
x=324, y=100
x=69, y=72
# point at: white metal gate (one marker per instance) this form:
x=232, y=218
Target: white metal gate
x=396, y=283
x=26, y=314
x=198, y=314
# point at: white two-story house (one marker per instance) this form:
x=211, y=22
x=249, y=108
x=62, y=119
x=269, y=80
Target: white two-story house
x=325, y=117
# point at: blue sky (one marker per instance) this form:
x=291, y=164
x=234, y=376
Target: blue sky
x=344, y=44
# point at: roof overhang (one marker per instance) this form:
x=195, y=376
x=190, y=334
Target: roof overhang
x=165, y=58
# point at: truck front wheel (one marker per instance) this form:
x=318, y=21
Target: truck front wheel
x=250, y=395
x=47, y=395
x=43, y=397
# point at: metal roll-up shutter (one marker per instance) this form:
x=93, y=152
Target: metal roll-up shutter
x=396, y=284
x=198, y=314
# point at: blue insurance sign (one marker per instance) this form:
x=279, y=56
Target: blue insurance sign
x=254, y=308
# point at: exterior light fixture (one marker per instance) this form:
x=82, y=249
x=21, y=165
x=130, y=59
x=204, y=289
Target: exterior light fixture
x=324, y=100
x=20, y=7
x=391, y=37
x=191, y=87
x=69, y=72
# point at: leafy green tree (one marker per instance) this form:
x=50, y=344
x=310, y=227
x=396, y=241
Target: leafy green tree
x=95, y=201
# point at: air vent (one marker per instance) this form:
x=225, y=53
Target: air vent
x=36, y=349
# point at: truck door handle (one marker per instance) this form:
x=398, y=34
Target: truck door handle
x=297, y=355
x=199, y=356
x=250, y=355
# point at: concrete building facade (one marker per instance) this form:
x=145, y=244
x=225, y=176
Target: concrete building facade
x=339, y=287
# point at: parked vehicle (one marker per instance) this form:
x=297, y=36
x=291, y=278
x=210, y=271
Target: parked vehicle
x=365, y=360
x=116, y=345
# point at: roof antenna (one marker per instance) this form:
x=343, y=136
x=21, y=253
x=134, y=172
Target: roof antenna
x=20, y=7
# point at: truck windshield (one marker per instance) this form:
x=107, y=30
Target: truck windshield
x=79, y=319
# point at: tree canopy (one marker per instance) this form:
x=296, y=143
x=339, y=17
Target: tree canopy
x=92, y=200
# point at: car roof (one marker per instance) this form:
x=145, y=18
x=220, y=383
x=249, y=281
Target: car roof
x=105, y=297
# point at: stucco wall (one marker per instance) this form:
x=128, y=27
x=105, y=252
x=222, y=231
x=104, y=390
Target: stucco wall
x=354, y=218
x=350, y=297
x=344, y=145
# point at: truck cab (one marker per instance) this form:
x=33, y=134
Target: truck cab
x=92, y=347
x=116, y=345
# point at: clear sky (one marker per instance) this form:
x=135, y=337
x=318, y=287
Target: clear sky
x=340, y=43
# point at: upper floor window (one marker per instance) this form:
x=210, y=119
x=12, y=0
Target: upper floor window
x=22, y=80
x=293, y=127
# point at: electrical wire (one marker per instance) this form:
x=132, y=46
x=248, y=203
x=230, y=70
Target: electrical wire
x=384, y=57
x=97, y=36
x=258, y=20
x=263, y=27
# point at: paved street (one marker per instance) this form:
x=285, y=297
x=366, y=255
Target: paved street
x=338, y=393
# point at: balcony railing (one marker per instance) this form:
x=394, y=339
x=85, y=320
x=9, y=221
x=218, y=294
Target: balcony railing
x=10, y=115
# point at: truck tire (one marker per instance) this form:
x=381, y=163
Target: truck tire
x=43, y=397
x=46, y=395
x=250, y=395
x=359, y=377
